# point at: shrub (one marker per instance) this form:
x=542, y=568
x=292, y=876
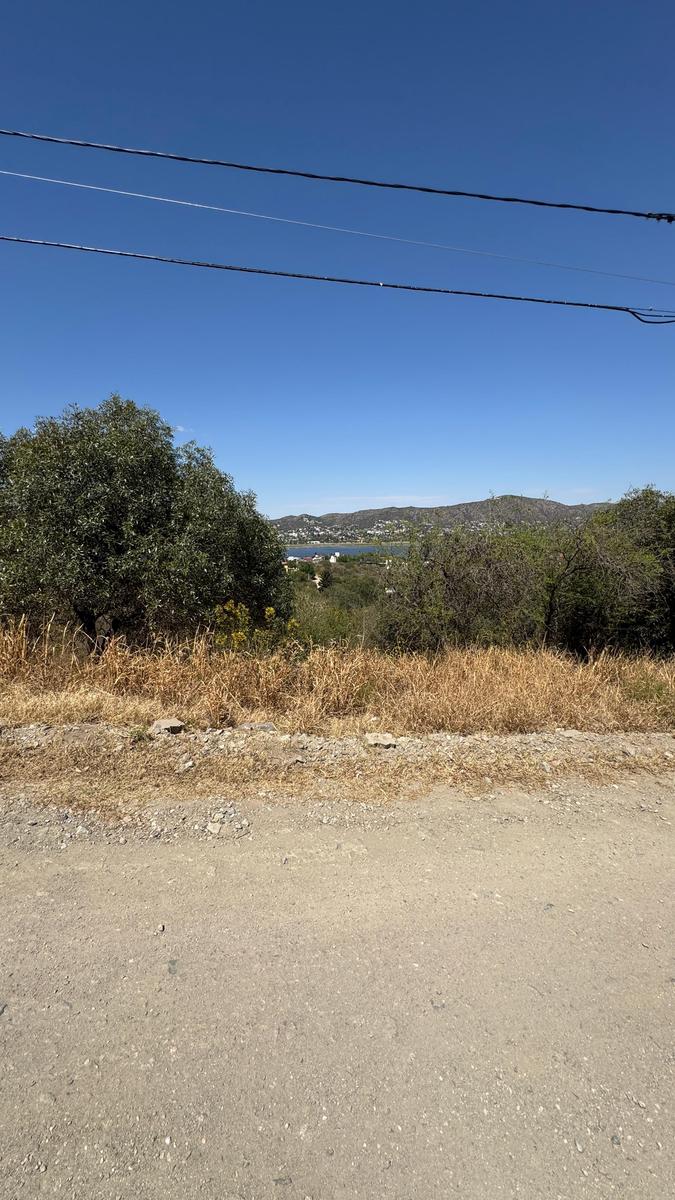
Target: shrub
x=105, y=521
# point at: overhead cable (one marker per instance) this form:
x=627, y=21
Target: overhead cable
x=668, y=217
x=383, y=237
x=647, y=316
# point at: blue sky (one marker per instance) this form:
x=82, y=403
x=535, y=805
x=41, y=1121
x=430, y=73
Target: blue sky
x=319, y=397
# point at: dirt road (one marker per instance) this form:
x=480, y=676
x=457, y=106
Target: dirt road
x=454, y=997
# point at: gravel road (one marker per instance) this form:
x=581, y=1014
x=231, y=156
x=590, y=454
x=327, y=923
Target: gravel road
x=451, y=997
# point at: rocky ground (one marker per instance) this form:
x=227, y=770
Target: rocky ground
x=395, y=986
x=117, y=771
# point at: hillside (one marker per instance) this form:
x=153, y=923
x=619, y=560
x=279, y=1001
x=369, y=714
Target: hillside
x=395, y=522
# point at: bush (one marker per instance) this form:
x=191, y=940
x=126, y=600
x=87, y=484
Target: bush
x=607, y=584
x=355, y=589
x=105, y=521
x=235, y=630
x=320, y=622
x=461, y=588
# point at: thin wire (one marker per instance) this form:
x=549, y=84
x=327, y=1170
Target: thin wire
x=668, y=217
x=385, y=237
x=647, y=316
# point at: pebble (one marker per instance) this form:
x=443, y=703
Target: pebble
x=167, y=725
x=385, y=740
x=214, y=827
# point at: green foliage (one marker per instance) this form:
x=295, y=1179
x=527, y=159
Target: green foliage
x=320, y=622
x=646, y=519
x=355, y=589
x=607, y=584
x=232, y=626
x=598, y=581
x=235, y=630
x=104, y=521
x=343, y=609
x=459, y=588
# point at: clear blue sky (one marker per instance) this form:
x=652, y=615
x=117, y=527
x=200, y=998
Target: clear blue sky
x=319, y=397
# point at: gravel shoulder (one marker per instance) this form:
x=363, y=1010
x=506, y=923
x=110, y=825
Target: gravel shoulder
x=115, y=771
x=451, y=993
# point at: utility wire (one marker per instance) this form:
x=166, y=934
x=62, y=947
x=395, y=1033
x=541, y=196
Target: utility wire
x=668, y=217
x=383, y=237
x=647, y=316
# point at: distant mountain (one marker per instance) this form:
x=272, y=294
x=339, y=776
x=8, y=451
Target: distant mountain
x=395, y=522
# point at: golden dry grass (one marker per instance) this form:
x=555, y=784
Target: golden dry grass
x=332, y=690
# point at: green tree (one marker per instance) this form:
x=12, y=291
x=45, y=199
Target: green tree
x=600, y=581
x=462, y=587
x=607, y=584
x=105, y=521
x=649, y=516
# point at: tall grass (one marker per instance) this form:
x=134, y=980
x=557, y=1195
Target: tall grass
x=49, y=678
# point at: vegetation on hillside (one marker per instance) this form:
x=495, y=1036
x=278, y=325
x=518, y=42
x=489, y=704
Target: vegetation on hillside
x=389, y=523
x=107, y=525
x=607, y=584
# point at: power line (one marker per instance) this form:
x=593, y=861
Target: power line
x=668, y=217
x=385, y=237
x=647, y=316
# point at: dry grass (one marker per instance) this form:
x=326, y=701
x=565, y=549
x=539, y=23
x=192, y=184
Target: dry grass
x=109, y=770
x=332, y=690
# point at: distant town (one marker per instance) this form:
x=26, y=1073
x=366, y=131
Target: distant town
x=313, y=531
x=394, y=524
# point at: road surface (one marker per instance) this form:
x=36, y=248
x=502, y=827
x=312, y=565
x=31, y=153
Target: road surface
x=459, y=997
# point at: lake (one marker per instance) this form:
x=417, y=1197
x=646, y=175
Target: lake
x=347, y=551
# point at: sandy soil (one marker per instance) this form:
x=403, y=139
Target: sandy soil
x=451, y=994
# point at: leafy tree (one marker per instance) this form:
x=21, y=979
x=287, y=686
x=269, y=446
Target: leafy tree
x=609, y=583
x=104, y=520
x=647, y=518
x=461, y=587
x=599, y=580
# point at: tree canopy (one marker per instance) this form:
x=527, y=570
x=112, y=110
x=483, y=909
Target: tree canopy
x=610, y=583
x=104, y=520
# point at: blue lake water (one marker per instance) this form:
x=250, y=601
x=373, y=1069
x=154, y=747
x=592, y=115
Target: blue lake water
x=345, y=551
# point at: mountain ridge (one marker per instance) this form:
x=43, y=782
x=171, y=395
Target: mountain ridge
x=395, y=520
